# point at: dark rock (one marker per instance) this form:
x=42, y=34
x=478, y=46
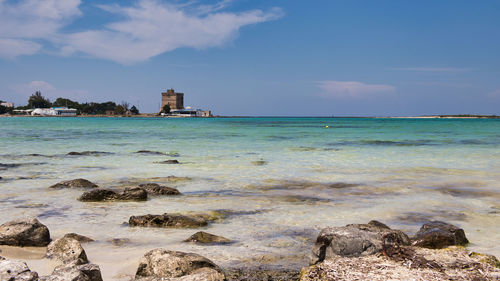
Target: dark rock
x=119, y=241
x=16, y=271
x=76, y=183
x=88, y=153
x=98, y=195
x=207, y=238
x=84, y=272
x=67, y=251
x=24, y=232
x=168, y=220
x=171, y=161
x=156, y=189
x=78, y=237
x=150, y=152
x=353, y=240
x=161, y=263
x=438, y=234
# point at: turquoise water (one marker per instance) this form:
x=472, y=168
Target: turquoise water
x=275, y=173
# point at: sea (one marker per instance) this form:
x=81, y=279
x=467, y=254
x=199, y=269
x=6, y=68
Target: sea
x=278, y=181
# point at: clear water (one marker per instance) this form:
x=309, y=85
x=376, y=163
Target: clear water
x=276, y=171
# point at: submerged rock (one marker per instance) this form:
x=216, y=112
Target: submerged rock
x=171, y=161
x=24, y=232
x=207, y=238
x=84, y=272
x=78, y=237
x=438, y=234
x=353, y=240
x=156, y=189
x=168, y=220
x=161, y=263
x=88, y=153
x=150, y=152
x=119, y=241
x=16, y=271
x=97, y=195
x=67, y=251
x=76, y=183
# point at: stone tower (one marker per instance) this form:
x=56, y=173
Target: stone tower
x=175, y=100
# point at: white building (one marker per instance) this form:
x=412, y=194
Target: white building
x=54, y=111
x=7, y=104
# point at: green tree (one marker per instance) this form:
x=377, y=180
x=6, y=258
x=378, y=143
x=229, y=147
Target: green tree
x=120, y=110
x=38, y=101
x=134, y=110
x=3, y=109
x=166, y=108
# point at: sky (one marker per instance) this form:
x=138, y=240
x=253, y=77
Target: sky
x=257, y=57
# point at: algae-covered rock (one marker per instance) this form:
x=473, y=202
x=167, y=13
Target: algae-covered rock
x=207, y=238
x=156, y=189
x=168, y=220
x=76, y=183
x=438, y=234
x=97, y=195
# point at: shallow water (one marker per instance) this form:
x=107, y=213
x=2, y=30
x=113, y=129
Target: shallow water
x=285, y=178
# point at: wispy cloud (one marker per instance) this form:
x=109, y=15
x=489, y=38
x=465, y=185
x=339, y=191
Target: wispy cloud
x=353, y=89
x=47, y=90
x=431, y=69
x=146, y=29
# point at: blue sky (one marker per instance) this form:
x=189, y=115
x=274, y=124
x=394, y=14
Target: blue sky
x=258, y=57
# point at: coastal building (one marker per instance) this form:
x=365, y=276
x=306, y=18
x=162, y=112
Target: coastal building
x=173, y=99
x=54, y=111
x=7, y=104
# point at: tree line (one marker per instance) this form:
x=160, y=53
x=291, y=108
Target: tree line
x=90, y=108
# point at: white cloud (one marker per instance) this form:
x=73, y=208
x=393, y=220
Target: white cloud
x=432, y=69
x=146, y=29
x=352, y=89
x=47, y=90
x=11, y=48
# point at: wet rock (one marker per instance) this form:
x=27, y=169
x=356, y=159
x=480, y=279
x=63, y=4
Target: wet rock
x=78, y=237
x=168, y=220
x=150, y=152
x=259, y=162
x=24, y=232
x=438, y=234
x=171, y=161
x=161, y=263
x=76, y=183
x=207, y=238
x=88, y=153
x=156, y=189
x=67, y=251
x=16, y=271
x=353, y=240
x=84, y=272
x=98, y=195
x=119, y=241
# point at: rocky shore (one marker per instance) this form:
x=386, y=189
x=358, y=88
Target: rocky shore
x=371, y=251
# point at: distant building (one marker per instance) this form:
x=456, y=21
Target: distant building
x=54, y=111
x=7, y=104
x=173, y=99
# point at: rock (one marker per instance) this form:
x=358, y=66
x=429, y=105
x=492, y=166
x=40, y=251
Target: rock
x=168, y=220
x=119, y=241
x=16, y=271
x=67, y=251
x=24, y=232
x=161, y=263
x=150, y=152
x=88, y=153
x=438, y=234
x=156, y=189
x=97, y=195
x=259, y=274
x=353, y=240
x=172, y=161
x=84, y=272
x=78, y=237
x=76, y=183
x=207, y=238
